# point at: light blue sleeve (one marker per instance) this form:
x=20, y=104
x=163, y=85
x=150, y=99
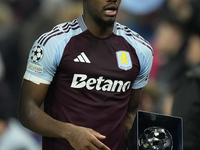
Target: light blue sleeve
x=145, y=56
x=47, y=51
x=43, y=60
x=144, y=52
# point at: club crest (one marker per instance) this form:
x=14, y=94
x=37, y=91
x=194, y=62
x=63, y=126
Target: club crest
x=124, y=60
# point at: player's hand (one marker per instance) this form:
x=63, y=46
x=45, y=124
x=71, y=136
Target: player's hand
x=82, y=138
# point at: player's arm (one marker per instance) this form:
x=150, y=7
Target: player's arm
x=132, y=108
x=145, y=59
x=31, y=116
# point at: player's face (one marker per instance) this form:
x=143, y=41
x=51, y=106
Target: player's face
x=102, y=12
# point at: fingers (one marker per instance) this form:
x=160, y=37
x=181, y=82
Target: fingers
x=93, y=147
x=101, y=146
x=86, y=139
x=97, y=134
x=97, y=144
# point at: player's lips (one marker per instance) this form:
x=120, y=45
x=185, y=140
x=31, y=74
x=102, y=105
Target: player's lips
x=110, y=10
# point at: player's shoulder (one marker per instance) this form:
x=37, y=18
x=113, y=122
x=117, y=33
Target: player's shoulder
x=61, y=32
x=124, y=30
x=133, y=38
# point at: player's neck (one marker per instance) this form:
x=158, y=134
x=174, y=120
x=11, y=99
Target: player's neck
x=101, y=32
x=97, y=30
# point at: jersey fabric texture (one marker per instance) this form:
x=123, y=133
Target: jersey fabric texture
x=90, y=78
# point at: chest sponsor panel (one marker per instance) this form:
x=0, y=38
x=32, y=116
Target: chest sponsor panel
x=99, y=84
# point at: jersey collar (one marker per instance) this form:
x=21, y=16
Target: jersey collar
x=84, y=27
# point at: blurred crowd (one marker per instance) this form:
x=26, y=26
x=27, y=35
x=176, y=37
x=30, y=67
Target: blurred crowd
x=173, y=29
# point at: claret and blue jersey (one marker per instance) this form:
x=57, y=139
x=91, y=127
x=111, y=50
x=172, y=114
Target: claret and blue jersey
x=90, y=78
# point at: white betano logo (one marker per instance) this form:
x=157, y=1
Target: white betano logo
x=81, y=81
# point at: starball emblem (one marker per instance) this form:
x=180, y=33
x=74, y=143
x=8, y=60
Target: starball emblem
x=155, y=138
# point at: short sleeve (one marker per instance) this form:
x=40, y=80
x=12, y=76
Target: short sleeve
x=43, y=60
x=145, y=55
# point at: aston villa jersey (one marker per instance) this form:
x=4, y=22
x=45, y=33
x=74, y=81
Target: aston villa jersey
x=90, y=78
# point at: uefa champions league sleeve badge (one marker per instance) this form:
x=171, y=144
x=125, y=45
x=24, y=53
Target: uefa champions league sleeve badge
x=153, y=131
x=36, y=53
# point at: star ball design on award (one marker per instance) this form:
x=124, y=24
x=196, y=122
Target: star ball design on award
x=155, y=138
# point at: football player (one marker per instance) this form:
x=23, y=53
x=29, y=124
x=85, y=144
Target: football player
x=89, y=74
